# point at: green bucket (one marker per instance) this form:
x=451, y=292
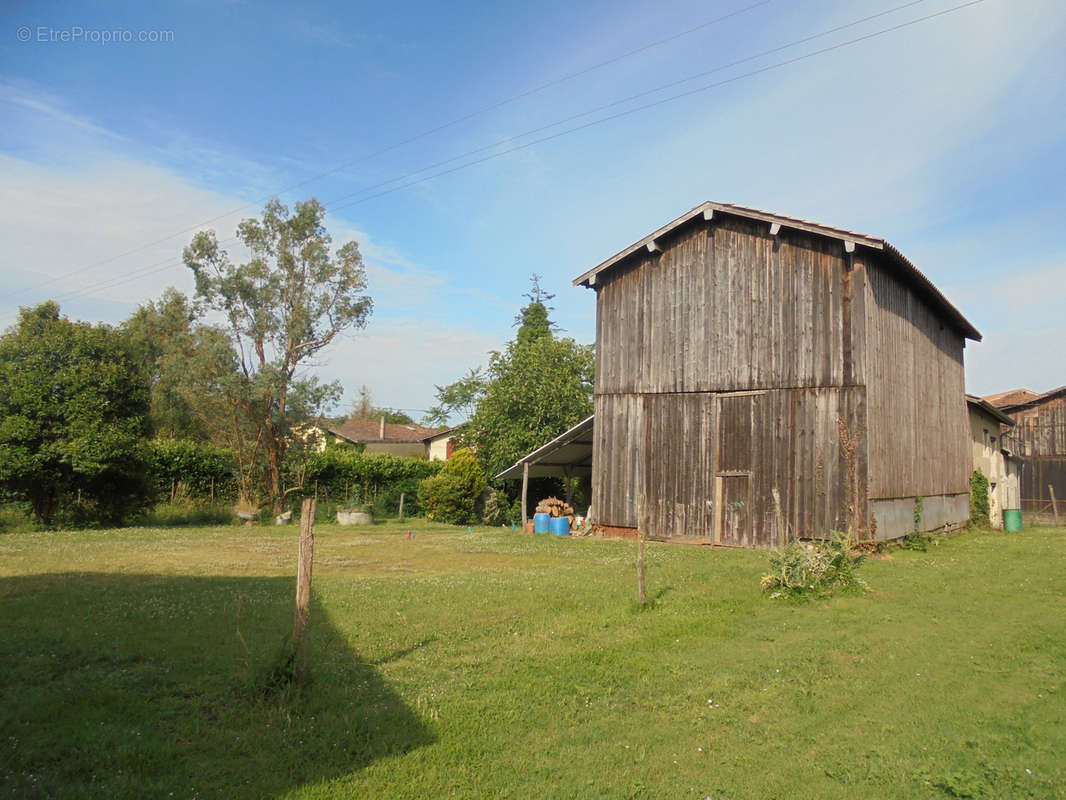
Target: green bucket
x=1012, y=520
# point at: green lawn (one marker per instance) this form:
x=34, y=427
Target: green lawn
x=494, y=664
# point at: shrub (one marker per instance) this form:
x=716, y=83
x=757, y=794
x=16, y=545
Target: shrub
x=496, y=509
x=813, y=569
x=183, y=469
x=450, y=496
x=980, y=508
x=346, y=475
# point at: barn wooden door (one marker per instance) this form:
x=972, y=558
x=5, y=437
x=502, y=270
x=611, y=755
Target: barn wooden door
x=734, y=469
x=734, y=503
x=679, y=465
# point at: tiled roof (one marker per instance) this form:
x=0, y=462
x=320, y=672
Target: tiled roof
x=370, y=431
x=1013, y=397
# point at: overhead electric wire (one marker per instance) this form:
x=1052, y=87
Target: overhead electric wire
x=429, y=132
x=119, y=280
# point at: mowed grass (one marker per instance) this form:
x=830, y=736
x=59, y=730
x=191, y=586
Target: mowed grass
x=492, y=664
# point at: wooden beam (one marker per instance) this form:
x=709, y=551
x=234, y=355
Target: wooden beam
x=525, y=492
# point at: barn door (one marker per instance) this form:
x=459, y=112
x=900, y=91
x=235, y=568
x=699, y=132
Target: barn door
x=734, y=503
x=679, y=465
x=734, y=469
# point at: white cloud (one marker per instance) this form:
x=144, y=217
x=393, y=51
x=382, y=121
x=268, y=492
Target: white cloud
x=402, y=359
x=63, y=229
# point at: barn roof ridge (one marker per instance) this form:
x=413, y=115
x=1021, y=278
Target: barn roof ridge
x=850, y=240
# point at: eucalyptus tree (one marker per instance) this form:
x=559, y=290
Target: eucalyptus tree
x=281, y=308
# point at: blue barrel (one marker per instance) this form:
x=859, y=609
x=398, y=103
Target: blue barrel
x=560, y=526
x=541, y=523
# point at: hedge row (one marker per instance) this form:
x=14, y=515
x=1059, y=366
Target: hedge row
x=184, y=469
x=345, y=475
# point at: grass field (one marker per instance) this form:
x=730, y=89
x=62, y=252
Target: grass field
x=492, y=664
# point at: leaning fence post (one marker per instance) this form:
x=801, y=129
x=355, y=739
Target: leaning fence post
x=1054, y=503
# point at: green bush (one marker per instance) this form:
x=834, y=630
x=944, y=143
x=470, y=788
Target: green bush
x=980, y=508
x=186, y=470
x=451, y=495
x=814, y=569
x=345, y=475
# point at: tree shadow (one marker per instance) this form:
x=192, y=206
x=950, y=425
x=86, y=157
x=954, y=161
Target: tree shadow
x=143, y=685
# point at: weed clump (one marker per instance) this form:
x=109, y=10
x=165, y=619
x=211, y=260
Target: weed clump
x=813, y=569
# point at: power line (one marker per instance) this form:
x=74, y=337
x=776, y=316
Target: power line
x=663, y=101
x=778, y=65
x=444, y=126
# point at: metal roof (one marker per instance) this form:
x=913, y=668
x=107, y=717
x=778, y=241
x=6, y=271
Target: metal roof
x=706, y=211
x=567, y=455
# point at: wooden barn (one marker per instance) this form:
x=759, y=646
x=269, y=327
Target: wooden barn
x=1039, y=439
x=761, y=377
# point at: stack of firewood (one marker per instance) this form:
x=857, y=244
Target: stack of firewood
x=557, y=508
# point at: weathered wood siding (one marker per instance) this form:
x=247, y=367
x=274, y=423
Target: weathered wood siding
x=1039, y=437
x=728, y=307
x=618, y=459
x=752, y=469
x=918, y=431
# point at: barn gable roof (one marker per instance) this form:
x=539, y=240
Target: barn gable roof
x=910, y=274
x=1030, y=402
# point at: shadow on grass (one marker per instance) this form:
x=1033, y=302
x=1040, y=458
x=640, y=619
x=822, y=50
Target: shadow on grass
x=143, y=685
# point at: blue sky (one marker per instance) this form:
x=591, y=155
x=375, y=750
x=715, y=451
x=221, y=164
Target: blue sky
x=946, y=137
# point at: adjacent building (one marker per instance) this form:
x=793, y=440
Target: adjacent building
x=989, y=428
x=379, y=436
x=1038, y=438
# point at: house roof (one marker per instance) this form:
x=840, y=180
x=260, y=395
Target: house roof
x=569, y=454
x=360, y=431
x=1023, y=401
x=1010, y=398
x=988, y=408
x=910, y=274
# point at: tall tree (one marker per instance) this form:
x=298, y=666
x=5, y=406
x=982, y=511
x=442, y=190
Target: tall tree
x=73, y=417
x=363, y=409
x=282, y=307
x=534, y=389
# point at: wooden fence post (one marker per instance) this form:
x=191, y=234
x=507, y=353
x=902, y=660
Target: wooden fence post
x=303, y=586
x=1054, y=503
x=401, y=505
x=641, y=534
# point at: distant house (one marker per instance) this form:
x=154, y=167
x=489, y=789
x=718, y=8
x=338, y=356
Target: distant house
x=439, y=446
x=1039, y=439
x=761, y=378
x=990, y=455
x=396, y=439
